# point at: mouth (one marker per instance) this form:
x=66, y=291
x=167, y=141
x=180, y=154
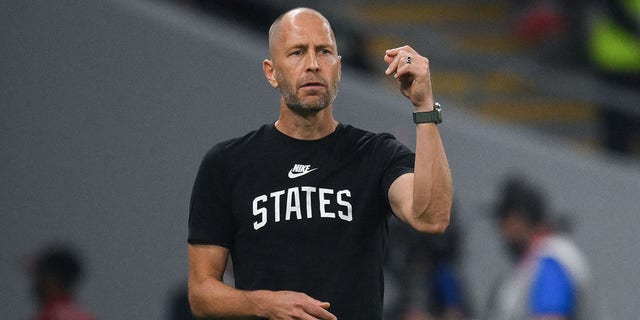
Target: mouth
x=312, y=85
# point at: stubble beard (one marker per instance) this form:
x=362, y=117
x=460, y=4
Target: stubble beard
x=295, y=103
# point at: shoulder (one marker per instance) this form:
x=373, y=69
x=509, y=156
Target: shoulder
x=562, y=249
x=551, y=271
x=223, y=154
x=367, y=138
x=553, y=290
x=237, y=144
x=362, y=133
x=67, y=310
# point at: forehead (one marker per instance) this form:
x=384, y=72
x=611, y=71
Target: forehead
x=303, y=27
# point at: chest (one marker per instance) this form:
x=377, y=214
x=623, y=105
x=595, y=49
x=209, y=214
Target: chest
x=304, y=192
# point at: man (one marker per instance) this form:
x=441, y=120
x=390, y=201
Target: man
x=550, y=279
x=56, y=272
x=307, y=230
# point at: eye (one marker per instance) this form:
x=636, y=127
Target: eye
x=325, y=51
x=296, y=53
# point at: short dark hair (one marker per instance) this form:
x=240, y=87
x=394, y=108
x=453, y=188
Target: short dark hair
x=61, y=264
x=520, y=197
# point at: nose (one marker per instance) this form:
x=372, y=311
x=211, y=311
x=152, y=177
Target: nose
x=312, y=62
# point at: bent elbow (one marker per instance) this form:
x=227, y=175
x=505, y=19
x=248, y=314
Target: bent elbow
x=195, y=306
x=440, y=228
x=196, y=312
x=435, y=227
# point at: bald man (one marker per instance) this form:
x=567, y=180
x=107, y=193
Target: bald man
x=302, y=205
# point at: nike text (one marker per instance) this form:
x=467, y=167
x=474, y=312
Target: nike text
x=299, y=170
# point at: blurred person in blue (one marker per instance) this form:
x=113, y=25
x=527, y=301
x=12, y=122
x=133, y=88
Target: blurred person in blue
x=425, y=268
x=445, y=286
x=550, y=278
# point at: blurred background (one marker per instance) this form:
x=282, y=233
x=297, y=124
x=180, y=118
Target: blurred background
x=109, y=106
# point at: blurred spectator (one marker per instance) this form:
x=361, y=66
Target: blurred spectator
x=602, y=36
x=56, y=272
x=554, y=28
x=425, y=268
x=613, y=46
x=540, y=20
x=550, y=276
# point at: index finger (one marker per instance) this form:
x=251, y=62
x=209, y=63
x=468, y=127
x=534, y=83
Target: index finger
x=391, y=54
x=392, y=57
x=320, y=311
x=393, y=61
x=395, y=51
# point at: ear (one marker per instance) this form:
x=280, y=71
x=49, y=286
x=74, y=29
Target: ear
x=339, y=67
x=269, y=72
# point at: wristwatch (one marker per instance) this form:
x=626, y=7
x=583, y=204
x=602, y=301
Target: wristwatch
x=434, y=116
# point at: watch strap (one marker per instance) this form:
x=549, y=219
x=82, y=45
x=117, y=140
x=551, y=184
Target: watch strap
x=434, y=116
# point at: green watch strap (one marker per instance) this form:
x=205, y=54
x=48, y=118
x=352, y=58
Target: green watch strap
x=434, y=116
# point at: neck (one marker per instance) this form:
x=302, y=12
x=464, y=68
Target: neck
x=55, y=296
x=306, y=127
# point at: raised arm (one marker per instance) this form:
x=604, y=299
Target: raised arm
x=210, y=297
x=423, y=198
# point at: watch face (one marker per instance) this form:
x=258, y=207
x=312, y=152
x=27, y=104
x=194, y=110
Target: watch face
x=438, y=109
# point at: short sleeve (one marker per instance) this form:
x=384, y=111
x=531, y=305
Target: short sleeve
x=210, y=217
x=401, y=161
x=552, y=291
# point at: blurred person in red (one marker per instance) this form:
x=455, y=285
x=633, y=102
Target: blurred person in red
x=56, y=271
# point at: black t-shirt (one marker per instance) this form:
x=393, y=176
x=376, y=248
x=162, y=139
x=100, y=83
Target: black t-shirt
x=301, y=215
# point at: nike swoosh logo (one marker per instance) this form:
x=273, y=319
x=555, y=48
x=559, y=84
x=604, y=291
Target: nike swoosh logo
x=293, y=175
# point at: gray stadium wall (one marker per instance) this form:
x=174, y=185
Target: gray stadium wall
x=109, y=106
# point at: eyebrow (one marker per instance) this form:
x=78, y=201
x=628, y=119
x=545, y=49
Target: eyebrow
x=305, y=46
